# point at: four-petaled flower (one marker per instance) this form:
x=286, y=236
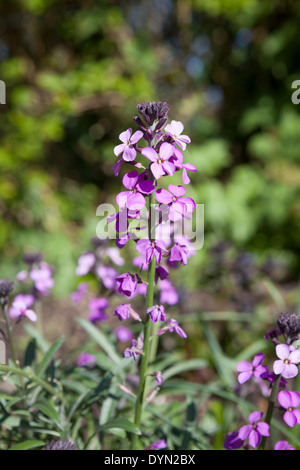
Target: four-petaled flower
x=254, y=430
x=174, y=130
x=256, y=369
x=125, y=311
x=174, y=202
x=157, y=313
x=127, y=147
x=150, y=248
x=19, y=309
x=137, y=184
x=160, y=165
x=171, y=326
x=290, y=400
x=288, y=358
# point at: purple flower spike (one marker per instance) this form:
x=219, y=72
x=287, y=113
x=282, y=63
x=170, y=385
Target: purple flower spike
x=178, y=205
x=149, y=248
x=157, y=313
x=19, y=309
x=174, y=130
x=160, y=165
x=137, y=186
x=288, y=358
x=127, y=147
x=290, y=401
x=256, y=369
x=283, y=445
x=255, y=430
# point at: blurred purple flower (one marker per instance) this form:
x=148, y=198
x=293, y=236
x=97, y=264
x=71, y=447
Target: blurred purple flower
x=256, y=369
x=254, y=430
x=108, y=275
x=78, y=295
x=290, y=401
x=158, y=377
x=127, y=147
x=85, y=264
x=42, y=278
x=171, y=326
x=125, y=311
x=123, y=334
x=97, y=308
x=86, y=359
x=233, y=441
x=168, y=293
x=288, y=358
x=135, y=350
x=158, y=445
x=283, y=445
x=19, y=309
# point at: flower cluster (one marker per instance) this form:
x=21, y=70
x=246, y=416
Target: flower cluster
x=284, y=369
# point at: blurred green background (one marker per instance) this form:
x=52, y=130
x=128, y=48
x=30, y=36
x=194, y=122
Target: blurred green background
x=74, y=72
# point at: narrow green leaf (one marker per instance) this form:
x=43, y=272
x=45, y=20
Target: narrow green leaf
x=30, y=444
x=100, y=339
x=49, y=356
x=120, y=423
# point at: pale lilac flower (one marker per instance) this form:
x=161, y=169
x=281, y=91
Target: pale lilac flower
x=179, y=252
x=254, y=430
x=127, y=147
x=78, y=295
x=233, y=441
x=160, y=165
x=150, y=248
x=172, y=325
x=135, y=350
x=288, y=358
x=290, y=400
x=19, y=309
x=86, y=359
x=174, y=130
x=22, y=276
x=28, y=299
x=42, y=278
x=108, y=275
x=126, y=284
x=158, y=445
x=283, y=445
x=248, y=370
x=158, y=377
x=168, y=293
x=174, y=200
x=157, y=313
x=125, y=311
x=123, y=334
x=97, y=309
x=137, y=185
x=85, y=264
x=114, y=255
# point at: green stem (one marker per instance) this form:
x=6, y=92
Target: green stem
x=146, y=350
x=9, y=335
x=271, y=406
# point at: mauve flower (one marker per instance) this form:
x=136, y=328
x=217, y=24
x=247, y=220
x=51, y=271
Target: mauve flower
x=28, y=299
x=157, y=313
x=85, y=264
x=150, y=248
x=168, y=293
x=254, y=430
x=19, y=309
x=42, y=278
x=125, y=311
x=137, y=185
x=158, y=377
x=135, y=350
x=123, y=334
x=126, y=284
x=172, y=325
x=127, y=147
x=178, y=205
x=233, y=441
x=161, y=272
x=290, y=400
x=174, y=130
x=283, y=445
x=108, y=275
x=177, y=159
x=97, y=308
x=86, y=359
x=256, y=369
x=288, y=358
x=160, y=165
x=158, y=445
x=179, y=252
x=78, y=295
